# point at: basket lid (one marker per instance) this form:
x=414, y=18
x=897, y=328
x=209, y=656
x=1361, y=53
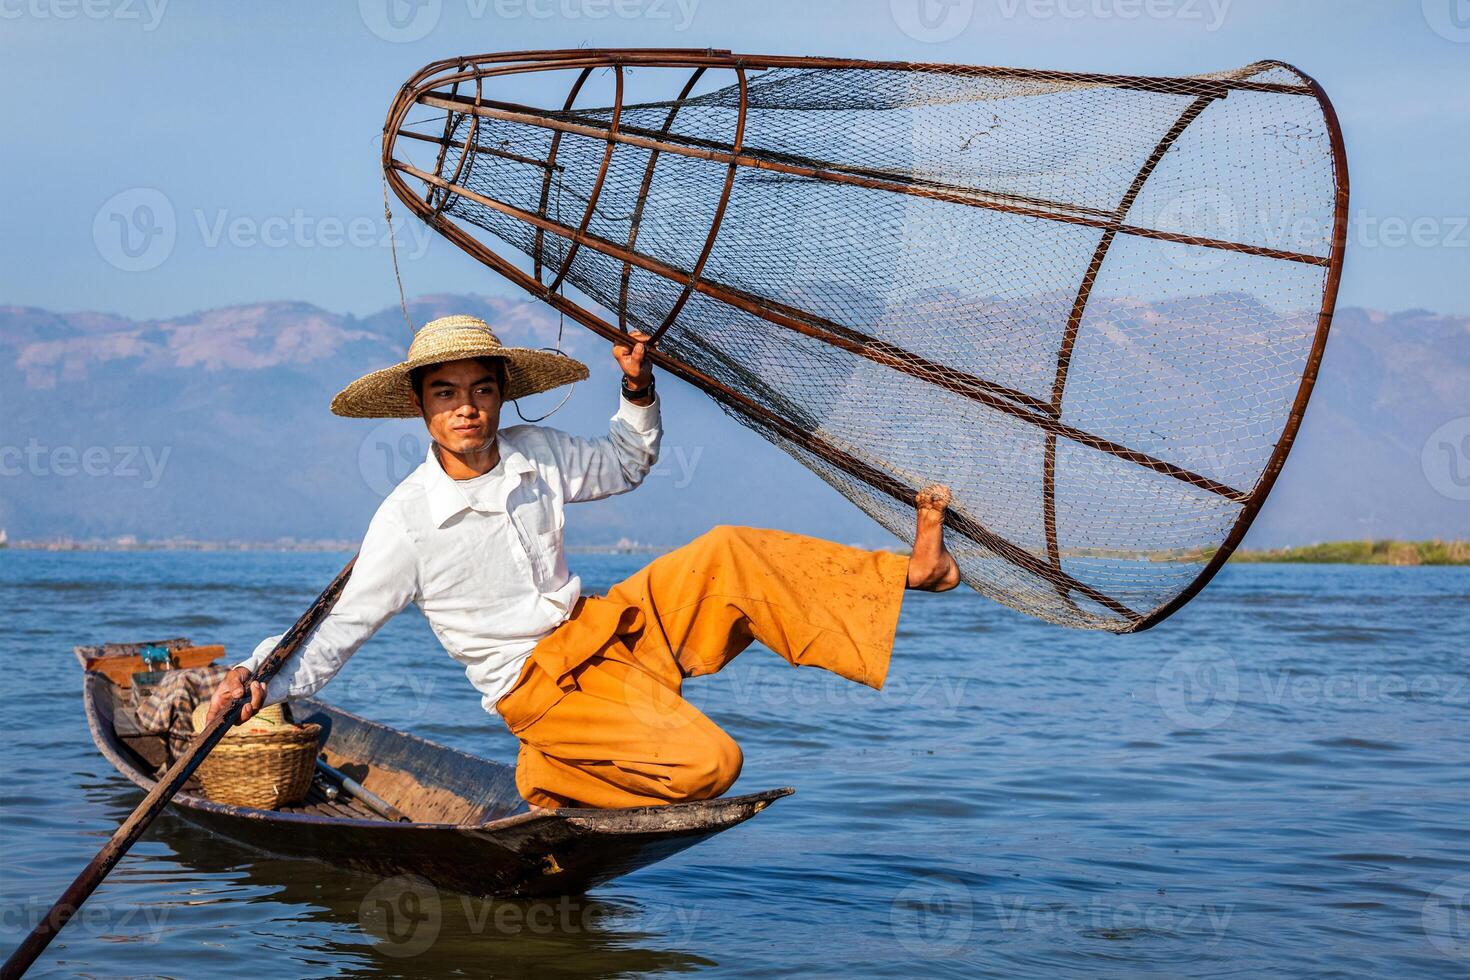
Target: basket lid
x=267, y=719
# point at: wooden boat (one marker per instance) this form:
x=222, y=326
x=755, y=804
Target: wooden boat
x=120, y=661
x=469, y=830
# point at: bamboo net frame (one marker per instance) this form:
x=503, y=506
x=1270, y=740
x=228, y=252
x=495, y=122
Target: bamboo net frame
x=1110, y=391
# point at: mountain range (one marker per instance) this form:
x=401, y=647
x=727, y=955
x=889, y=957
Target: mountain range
x=214, y=425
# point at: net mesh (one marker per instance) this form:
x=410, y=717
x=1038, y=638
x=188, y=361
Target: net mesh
x=1086, y=305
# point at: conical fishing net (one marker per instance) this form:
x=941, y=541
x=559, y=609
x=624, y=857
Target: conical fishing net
x=1093, y=306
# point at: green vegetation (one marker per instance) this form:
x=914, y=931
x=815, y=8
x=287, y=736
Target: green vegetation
x=1365, y=553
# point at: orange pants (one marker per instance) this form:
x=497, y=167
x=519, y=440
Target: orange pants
x=597, y=707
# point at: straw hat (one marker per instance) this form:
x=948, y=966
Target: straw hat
x=387, y=394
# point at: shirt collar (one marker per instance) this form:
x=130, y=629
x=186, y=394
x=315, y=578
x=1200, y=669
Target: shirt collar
x=448, y=497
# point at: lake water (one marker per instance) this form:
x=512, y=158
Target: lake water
x=1274, y=782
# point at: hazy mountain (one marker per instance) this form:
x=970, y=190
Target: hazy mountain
x=215, y=425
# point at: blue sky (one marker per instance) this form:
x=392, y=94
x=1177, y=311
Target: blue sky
x=265, y=117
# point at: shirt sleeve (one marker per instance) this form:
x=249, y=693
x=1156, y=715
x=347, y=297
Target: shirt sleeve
x=384, y=580
x=616, y=463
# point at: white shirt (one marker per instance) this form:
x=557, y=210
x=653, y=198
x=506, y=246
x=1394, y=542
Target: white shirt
x=483, y=558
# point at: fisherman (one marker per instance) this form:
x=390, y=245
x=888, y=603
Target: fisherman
x=589, y=684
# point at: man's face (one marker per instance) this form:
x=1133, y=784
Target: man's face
x=460, y=403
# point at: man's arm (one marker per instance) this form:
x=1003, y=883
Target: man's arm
x=591, y=469
x=595, y=468
x=384, y=580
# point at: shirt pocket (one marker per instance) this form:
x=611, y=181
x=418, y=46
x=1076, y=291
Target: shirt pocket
x=549, y=561
x=538, y=518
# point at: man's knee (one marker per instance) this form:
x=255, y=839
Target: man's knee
x=719, y=536
x=709, y=771
x=724, y=541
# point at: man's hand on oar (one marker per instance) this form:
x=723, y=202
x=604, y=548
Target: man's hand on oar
x=232, y=688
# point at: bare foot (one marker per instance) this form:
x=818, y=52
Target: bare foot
x=931, y=567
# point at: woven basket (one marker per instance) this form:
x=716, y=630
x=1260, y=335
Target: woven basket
x=265, y=763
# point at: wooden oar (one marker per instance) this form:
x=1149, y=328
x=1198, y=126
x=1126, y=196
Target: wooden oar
x=132, y=828
x=365, y=796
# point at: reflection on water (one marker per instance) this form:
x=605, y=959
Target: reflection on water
x=1275, y=781
x=324, y=921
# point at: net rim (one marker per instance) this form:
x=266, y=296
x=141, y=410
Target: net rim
x=478, y=67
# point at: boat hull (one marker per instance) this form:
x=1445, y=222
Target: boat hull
x=491, y=846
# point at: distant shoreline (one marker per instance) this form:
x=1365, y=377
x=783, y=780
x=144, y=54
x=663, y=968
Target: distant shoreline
x=1436, y=553
x=1386, y=552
